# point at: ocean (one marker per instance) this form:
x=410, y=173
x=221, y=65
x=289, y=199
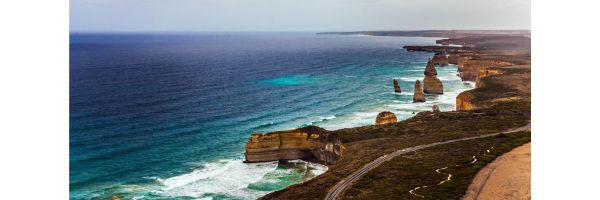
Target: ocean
x=166, y=115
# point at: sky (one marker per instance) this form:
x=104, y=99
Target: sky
x=296, y=15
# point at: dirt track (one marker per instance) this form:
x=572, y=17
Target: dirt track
x=347, y=182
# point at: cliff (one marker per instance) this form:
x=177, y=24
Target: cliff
x=464, y=101
x=385, y=117
x=438, y=49
x=496, y=85
x=310, y=143
x=500, y=102
x=469, y=69
x=440, y=59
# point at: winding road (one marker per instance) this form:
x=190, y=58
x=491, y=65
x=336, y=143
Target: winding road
x=345, y=183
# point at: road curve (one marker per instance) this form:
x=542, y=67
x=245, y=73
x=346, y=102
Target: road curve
x=342, y=185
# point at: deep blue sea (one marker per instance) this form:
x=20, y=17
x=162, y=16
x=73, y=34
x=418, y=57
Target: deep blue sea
x=166, y=116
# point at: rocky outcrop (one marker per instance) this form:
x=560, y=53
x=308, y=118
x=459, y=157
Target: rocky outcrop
x=440, y=59
x=497, y=85
x=435, y=108
x=385, y=117
x=469, y=69
x=397, y=87
x=430, y=69
x=457, y=58
x=310, y=143
x=464, y=101
x=431, y=84
x=418, y=95
x=437, y=49
x=453, y=58
x=485, y=73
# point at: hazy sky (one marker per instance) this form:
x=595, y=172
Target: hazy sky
x=297, y=15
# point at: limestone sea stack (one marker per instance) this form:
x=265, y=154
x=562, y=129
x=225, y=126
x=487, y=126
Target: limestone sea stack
x=310, y=143
x=385, y=117
x=397, y=87
x=430, y=69
x=418, y=95
x=431, y=84
x=435, y=108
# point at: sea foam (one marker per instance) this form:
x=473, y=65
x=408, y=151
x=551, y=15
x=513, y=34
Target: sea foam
x=230, y=178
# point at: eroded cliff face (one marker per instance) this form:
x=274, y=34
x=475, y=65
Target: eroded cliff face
x=469, y=69
x=464, y=101
x=453, y=58
x=495, y=85
x=430, y=69
x=432, y=85
x=385, y=117
x=440, y=59
x=485, y=73
x=310, y=143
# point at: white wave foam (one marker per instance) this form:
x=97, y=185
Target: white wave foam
x=226, y=177
x=411, y=79
x=404, y=93
x=223, y=177
x=321, y=119
x=317, y=169
x=405, y=108
x=138, y=197
x=449, y=78
x=471, y=83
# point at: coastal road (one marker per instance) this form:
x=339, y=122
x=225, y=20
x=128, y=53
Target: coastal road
x=345, y=183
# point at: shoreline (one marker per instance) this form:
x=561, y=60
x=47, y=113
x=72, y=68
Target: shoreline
x=498, y=79
x=428, y=105
x=301, y=143
x=235, y=160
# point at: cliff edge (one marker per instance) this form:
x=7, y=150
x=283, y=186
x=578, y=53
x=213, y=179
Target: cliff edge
x=310, y=143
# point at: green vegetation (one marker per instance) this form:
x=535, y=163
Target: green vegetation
x=513, y=82
x=506, y=103
x=503, y=116
x=365, y=144
x=394, y=179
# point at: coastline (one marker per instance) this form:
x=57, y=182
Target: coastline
x=448, y=74
x=488, y=72
x=343, y=83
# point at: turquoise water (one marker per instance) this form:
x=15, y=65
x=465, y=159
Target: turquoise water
x=290, y=80
x=166, y=116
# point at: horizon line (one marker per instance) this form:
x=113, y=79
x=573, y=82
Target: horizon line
x=285, y=31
